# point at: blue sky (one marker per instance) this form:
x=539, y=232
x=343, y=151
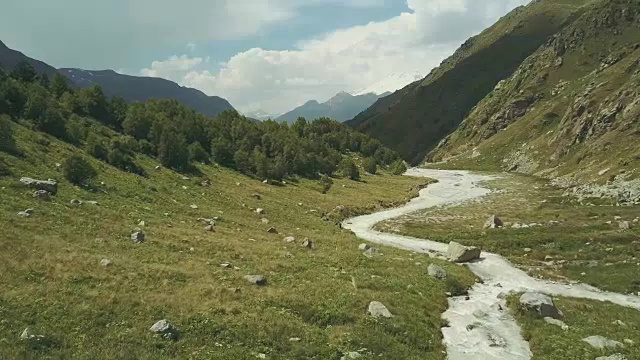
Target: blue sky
x=269, y=55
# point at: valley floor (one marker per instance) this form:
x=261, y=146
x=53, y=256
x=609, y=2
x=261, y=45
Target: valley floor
x=560, y=237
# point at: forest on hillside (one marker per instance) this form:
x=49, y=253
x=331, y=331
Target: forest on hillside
x=115, y=132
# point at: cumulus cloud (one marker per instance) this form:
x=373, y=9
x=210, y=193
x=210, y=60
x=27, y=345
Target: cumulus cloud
x=343, y=60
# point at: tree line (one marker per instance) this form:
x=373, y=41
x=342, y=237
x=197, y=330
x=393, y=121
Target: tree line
x=115, y=132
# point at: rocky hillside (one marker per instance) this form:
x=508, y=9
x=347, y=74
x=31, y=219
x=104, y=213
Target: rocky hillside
x=571, y=108
x=413, y=120
x=139, y=88
x=341, y=107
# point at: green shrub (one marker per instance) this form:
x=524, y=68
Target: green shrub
x=7, y=142
x=95, y=147
x=326, y=183
x=398, y=167
x=78, y=170
x=198, y=153
x=370, y=165
x=348, y=168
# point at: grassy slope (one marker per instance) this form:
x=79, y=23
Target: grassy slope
x=583, y=246
x=551, y=135
x=413, y=120
x=52, y=281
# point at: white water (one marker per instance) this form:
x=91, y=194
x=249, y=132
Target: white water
x=496, y=334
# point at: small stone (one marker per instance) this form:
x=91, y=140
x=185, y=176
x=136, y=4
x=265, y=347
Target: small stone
x=364, y=247
x=600, y=342
x=75, y=202
x=377, y=309
x=496, y=341
x=437, y=272
x=105, y=262
x=165, y=329
x=138, y=237
x=527, y=250
x=624, y=225
x=208, y=228
x=42, y=195
x=556, y=322
x=260, y=211
x=264, y=221
x=371, y=252
x=272, y=230
x=619, y=323
x=226, y=265
x=193, y=206
x=294, y=339
x=142, y=223
x=26, y=334
x=493, y=222
x=259, y=280
x=257, y=196
x=307, y=244
x=289, y=239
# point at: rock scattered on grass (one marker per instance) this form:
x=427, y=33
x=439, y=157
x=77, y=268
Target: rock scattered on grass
x=371, y=252
x=75, y=202
x=138, y=237
x=105, y=262
x=26, y=213
x=493, y=222
x=272, y=230
x=539, y=305
x=194, y=206
x=260, y=211
x=601, y=342
x=364, y=247
x=264, y=221
x=257, y=196
x=289, y=239
x=612, y=357
x=259, y=280
x=437, y=272
x=42, y=195
x=308, y=244
x=165, y=329
x=208, y=228
x=226, y=265
x=556, y=322
x=377, y=309
x=459, y=253
x=624, y=225
x=46, y=185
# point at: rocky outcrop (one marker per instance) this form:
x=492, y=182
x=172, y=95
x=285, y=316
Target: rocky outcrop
x=46, y=185
x=460, y=254
x=539, y=305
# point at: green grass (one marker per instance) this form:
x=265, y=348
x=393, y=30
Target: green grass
x=583, y=246
x=585, y=318
x=52, y=282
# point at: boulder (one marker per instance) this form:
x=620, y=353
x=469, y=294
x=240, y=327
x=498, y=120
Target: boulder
x=539, y=305
x=493, y=222
x=460, y=254
x=260, y=211
x=308, y=244
x=165, y=329
x=289, y=239
x=272, y=230
x=364, y=247
x=42, y=195
x=371, y=252
x=46, y=185
x=137, y=237
x=437, y=272
x=600, y=342
x=259, y=280
x=624, y=225
x=377, y=309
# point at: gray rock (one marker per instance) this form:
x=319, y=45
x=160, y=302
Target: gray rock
x=308, y=244
x=493, y=222
x=600, y=342
x=612, y=357
x=364, y=247
x=42, y=195
x=208, y=228
x=624, y=225
x=105, y=262
x=437, y=272
x=265, y=221
x=194, y=206
x=496, y=341
x=26, y=213
x=27, y=335
x=377, y=309
x=75, y=202
x=138, y=237
x=371, y=252
x=257, y=196
x=259, y=280
x=459, y=253
x=539, y=305
x=46, y=185
x=165, y=329
x=289, y=239
x=260, y=211
x=556, y=322
x=226, y=265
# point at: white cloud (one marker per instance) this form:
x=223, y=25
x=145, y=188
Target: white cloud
x=346, y=59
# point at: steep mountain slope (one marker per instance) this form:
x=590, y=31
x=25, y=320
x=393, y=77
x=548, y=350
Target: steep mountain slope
x=393, y=82
x=413, y=120
x=9, y=58
x=341, y=107
x=137, y=88
x=573, y=107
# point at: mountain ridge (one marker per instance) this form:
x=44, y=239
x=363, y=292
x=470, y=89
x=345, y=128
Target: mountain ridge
x=341, y=107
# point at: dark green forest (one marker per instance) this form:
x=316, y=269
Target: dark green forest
x=115, y=132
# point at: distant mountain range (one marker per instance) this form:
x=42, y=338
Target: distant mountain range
x=393, y=82
x=341, y=107
x=131, y=88
x=260, y=115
